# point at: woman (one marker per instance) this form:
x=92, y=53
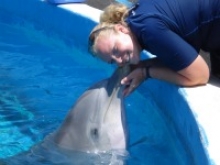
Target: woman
x=174, y=31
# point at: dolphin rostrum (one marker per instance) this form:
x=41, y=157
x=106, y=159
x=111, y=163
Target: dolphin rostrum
x=97, y=120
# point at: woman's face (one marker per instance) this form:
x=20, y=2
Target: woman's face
x=118, y=48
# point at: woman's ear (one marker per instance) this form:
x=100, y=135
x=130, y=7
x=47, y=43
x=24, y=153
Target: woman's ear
x=122, y=28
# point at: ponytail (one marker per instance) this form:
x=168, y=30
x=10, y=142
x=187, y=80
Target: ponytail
x=114, y=13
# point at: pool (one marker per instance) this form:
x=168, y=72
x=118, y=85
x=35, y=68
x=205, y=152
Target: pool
x=41, y=76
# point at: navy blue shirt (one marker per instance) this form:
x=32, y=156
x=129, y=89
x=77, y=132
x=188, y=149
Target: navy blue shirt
x=175, y=30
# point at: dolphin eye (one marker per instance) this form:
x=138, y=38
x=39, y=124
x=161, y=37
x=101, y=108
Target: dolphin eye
x=94, y=133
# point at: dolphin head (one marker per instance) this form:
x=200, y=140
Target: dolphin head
x=96, y=122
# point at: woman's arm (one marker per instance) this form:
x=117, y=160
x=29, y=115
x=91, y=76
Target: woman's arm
x=197, y=73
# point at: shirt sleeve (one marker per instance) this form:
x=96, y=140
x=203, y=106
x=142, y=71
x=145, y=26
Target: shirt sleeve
x=168, y=46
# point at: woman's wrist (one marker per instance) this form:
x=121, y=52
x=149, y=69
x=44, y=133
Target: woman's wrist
x=147, y=72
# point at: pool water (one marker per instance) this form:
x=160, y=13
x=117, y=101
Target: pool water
x=40, y=79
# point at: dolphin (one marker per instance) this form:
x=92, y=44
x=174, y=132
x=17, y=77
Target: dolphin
x=96, y=122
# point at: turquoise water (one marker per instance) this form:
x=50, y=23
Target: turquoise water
x=40, y=79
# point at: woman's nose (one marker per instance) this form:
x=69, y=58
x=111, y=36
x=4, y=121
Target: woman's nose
x=122, y=59
x=118, y=60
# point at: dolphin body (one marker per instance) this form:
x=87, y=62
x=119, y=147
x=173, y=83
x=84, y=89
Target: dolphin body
x=96, y=122
x=94, y=125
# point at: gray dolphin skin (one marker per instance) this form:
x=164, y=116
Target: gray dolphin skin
x=96, y=122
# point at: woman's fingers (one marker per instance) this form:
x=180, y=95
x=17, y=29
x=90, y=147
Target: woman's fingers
x=133, y=80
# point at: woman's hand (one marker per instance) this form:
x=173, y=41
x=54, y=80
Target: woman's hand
x=137, y=75
x=133, y=80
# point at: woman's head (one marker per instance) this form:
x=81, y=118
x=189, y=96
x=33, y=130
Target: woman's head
x=112, y=40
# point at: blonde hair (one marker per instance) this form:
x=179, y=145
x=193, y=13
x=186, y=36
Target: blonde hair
x=113, y=14
x=102, y=29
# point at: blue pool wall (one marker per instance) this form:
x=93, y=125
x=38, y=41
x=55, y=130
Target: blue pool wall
x=57, y=20
x=74, y=28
